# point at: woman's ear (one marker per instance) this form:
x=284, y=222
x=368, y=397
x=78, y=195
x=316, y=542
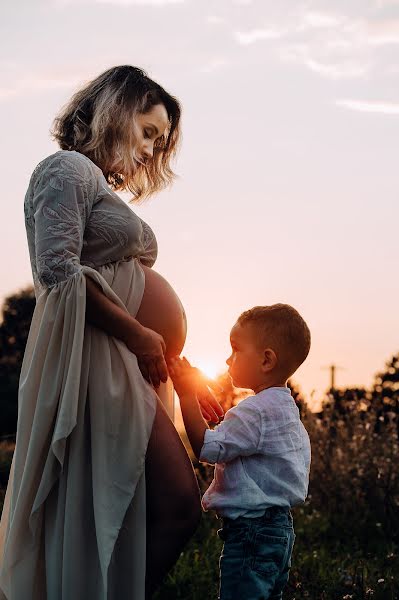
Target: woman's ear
x=269, y=360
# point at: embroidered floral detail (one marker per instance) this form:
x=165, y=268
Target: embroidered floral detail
x=150, y=246
x=29, y=219
x=68, y=222
x=67, y=169
x=54, y=266
x=148, y=234
x=66, y=227
x=56, y=226
x=109, y=226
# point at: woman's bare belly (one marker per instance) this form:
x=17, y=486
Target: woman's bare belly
x=162, y=311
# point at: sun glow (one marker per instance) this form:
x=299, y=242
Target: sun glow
x=208, y=369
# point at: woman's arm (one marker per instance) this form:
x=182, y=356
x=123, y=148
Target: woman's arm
x=148, y=345
x=108, y=316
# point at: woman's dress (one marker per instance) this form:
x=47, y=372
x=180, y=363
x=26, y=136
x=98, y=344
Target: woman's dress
x=73, y=523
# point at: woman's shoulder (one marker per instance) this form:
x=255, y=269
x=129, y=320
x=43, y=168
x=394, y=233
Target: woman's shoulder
x=68, y=164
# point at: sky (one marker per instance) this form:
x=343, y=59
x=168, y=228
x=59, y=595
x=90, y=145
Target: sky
x=287, y=187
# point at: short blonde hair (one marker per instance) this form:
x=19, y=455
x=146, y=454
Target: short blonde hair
x=280, y=327
x=100, y=122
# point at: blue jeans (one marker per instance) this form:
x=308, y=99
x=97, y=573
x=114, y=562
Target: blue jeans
x=256, y=555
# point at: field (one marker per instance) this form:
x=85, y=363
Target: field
x=347, y=545
x=328, y=563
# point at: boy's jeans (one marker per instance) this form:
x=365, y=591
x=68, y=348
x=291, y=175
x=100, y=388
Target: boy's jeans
x=256, y=556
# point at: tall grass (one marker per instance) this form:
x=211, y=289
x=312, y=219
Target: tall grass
x=348, y=529
x=347, y=545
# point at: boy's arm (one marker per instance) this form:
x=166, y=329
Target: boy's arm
x=185, y=381
x=238, y=435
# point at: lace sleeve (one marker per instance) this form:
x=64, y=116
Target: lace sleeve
x=63, y=196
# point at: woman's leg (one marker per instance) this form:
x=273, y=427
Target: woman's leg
x=173, y=499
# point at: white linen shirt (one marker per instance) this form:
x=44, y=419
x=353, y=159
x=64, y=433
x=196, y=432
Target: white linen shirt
x=262, y=455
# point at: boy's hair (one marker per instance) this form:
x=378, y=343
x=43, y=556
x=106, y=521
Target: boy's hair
x=280, y=327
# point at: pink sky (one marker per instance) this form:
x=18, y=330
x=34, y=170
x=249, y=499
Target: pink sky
x=288, y=169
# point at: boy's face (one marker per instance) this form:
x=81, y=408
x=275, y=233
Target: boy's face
x=245, y=362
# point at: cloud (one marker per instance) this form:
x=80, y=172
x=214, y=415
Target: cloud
x=385, y=3
x=332, y=62
x=28, y=85
x=387, y=108
x=341, y=70
x=215, y=20
x=382, y=32
x=318, y=20
x=122, y=2
x=244, y=38
x=335, y=45
x=141, y=2
x=214, y=65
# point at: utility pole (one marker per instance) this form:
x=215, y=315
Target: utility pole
x=332, y=368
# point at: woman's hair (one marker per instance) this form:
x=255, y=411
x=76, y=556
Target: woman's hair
x=100, y=122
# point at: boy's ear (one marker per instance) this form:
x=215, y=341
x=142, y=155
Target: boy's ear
x=269, y=360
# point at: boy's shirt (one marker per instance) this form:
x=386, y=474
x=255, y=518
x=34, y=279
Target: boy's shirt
x=261, y=453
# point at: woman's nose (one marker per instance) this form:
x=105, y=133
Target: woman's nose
x=228, y=361
x=148, y=151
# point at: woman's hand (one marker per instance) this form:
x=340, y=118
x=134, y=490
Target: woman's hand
x=150, y=348
x=189, y=381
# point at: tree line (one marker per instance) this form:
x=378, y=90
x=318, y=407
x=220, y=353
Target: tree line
x=17, y=310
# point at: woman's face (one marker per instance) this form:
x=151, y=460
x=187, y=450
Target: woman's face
x=151, y=126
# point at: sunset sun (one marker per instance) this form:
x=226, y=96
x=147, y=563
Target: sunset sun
x=209, y=369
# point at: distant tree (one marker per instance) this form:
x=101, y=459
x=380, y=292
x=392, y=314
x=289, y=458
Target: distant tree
x=385, y=393
x=382, y=400
x=299, y=398
x=17, y=314
x=387, y=382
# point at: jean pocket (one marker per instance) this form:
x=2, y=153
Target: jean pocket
x=269, y=552
x=233, y=534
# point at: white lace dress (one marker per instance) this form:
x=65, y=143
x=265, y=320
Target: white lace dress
x=73, y=523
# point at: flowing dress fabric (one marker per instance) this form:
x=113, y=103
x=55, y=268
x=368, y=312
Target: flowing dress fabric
x=73, y=522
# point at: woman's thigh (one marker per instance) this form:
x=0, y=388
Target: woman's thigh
x=170, y=477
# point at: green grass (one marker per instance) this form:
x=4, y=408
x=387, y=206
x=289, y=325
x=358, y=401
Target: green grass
x=330, y=562
x=327, y=564
x=335, y=557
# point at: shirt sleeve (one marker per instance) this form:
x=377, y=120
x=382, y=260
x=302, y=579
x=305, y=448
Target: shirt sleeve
x=62, y=199
x=238, y=435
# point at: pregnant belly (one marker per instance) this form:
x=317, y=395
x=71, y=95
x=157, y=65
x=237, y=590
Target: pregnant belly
x=162, y=311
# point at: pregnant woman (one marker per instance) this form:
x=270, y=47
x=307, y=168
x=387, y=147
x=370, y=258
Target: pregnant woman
x=102, y=496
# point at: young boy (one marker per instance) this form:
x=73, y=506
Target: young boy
x=261, y=451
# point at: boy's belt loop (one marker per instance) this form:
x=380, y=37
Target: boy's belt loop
x=273, y=510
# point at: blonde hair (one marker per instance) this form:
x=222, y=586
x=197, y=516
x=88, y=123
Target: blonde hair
x=100, y=122
x=280, y=327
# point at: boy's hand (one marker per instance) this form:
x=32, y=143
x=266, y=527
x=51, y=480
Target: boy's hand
x=189, y=381
x=185, y=377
